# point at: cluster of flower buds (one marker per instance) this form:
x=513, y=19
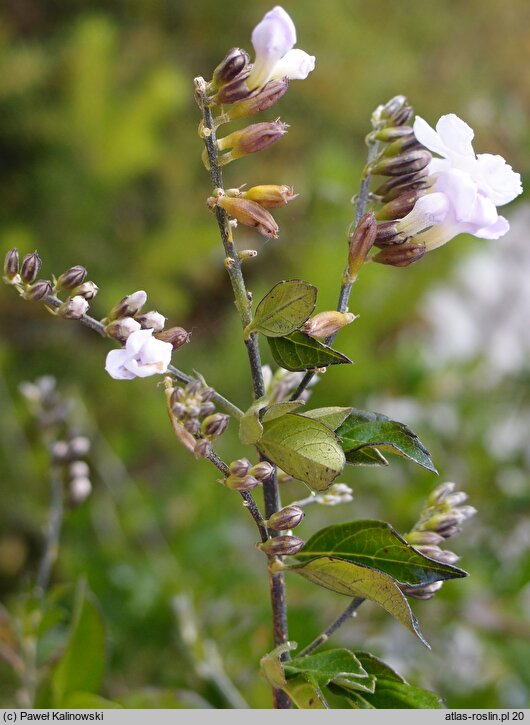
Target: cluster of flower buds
x=441, y=519
x=404, y=162
x=243, y=476
x=239, y=88
x=67, y=449
x=282, y=383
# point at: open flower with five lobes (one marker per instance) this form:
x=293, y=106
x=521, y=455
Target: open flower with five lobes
x=273, y=40
x=471, y=186
x=143, y=355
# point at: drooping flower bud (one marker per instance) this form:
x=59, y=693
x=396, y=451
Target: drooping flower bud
x=122, y=328
x=328, y=323
x=240, y=467
x=407, y=162
x=287, y=518
x=74, y=308
x=152, y=321
x=250, y=140
x=129, y=305
x=39, y=291
x=425, y=592
x=270, y=196
x=398, y=185
x=88, y=290
x=232, y=64
x=258, y=102
x=11, y=264
x=249, y=213
x=241, y=483
x=360, y=243
x=399, y=207
x=400, y=255
x=215, y=425
x=424, y=538
x=177, y=336
x=262, y=470
x=31, y=265
x=71, y=278
x=282, y=546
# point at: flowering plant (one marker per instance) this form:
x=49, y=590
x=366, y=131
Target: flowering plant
x=421, y=203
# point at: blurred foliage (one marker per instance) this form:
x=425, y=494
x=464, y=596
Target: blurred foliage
x=101, y=167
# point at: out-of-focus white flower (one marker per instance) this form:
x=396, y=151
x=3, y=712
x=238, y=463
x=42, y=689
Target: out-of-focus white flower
x=473, y=185
x=143, y=355
x=273, y=39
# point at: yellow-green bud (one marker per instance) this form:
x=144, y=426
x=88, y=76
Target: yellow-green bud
x=270, y=196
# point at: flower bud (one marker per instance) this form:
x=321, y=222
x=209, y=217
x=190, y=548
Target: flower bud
x=262, y=470
x=74, y=308
x=440, y=492
x=426, y=592
x=152, y=321
x=247, y=254
x=193, y=387
x=325, y=324
x=407, y=162
x=261, y=101
x=249, y=213
x=203, y=448
x=287, y=518
x=232, y=64
x=253, y=138
x=192, y=425
x=31, y=265
x=193, y=411
x=393, y=133
x=393, y=107
x=398, y=185
x=282, y=546
x=360, y=243
x=39, y=291
x=241, y=483
x=11, y=264
x=71, y=278
x=122, y=328
x=78, y=469
x=388, y=235
x=234, y=91
x=88, y=290
x=207, y=409
x=80, y=489
x=399, y=207
x=129, y=305
x=60, y=451
x=400, y=255
x=178, y=410
x=405, y=143
x=177, y=336
x=215, y=425
x=206, y=393
x=239, y=467
x=270, y=196
x=424, y=538
x=79, y=446
x=177, y=395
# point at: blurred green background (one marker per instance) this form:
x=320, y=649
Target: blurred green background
x=101, y=167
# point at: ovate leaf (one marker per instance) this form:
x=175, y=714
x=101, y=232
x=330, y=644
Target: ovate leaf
x=276, y=410
x=284, y=309
x=377, y=545
x=374, y=666
x=366, y=457
x=391, y=695
x=304, y=695
x=365, y=429
x=250, y=428
x=303, y=448
x=354, y=580
x=324, y=667
x=81, y=666
x=331, y=417
x=297, y=352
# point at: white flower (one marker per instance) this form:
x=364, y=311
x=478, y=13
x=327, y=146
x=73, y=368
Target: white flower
x=473, y=186
x=273, y=39
x=143, y=355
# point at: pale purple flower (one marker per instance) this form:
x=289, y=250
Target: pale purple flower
x=143, y=355
x=273, y=39
x=473, y=186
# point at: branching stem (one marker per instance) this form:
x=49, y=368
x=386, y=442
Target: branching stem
x=347, y=614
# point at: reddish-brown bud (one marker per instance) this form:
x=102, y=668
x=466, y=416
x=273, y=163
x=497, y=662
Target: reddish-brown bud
x=241, y=483
x=407, y=162
x=270, y=196
x=232, y=64
x=399, y=207
x=31, y=265
x=240, y=467
x=177, y=336
x=11, y=264
x=261, y=101
x=399, y=185
x=249, y=213
x=282, y=546
x=287, y=518
x=400, y=255
x=234, y=91
x=360, y=243
x=253, y=138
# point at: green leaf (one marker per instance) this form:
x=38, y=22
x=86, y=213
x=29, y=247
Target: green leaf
x=297, y=352
x=389, y=695
x=374, y=666
x=81, y=666
x=284, y=308
x=377, y=545
x=276, y=410
x=366, y=457
x=321, y=668
x=304, y=448
x=365, y=429
x=355, y=580
x=305, y=695
x=330, y=417
x=250, y=428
